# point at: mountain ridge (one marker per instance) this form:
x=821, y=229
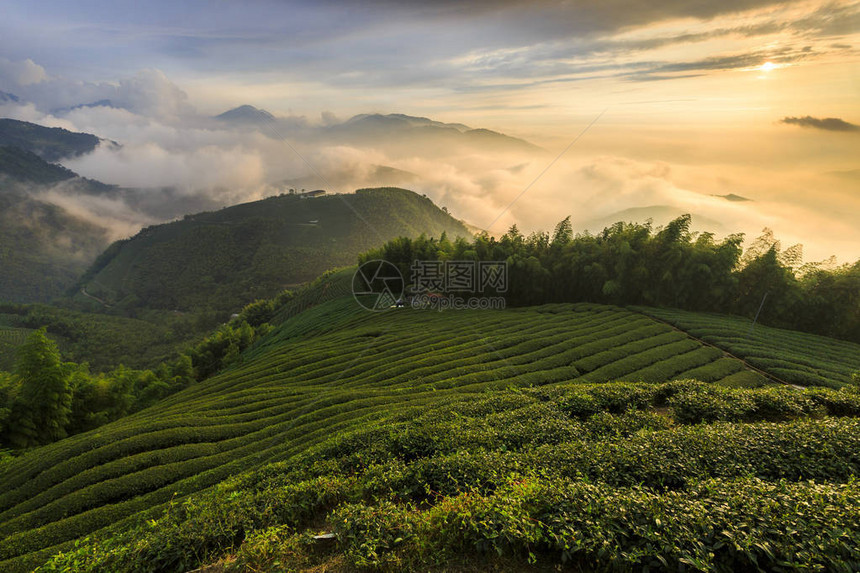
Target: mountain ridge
x=49, y=143
x=240, y=253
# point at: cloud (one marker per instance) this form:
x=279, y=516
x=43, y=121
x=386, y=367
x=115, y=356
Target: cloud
x=174, y=161
x=826, y=123
x=390, y=44
x=25, y=73
x=148, y=92
x=788, y=55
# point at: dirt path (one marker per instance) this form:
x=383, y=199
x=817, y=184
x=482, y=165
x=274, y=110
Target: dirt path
x=95, y=298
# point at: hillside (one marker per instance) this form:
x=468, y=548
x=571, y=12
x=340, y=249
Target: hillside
x=23, y=165
x=222, y=260
x=43, y=248
x=49, y=143
x=103, y=341
x=409, y=422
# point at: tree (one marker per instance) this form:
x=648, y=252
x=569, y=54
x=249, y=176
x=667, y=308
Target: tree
x=563, y=233
x=8, y=390
x=765, y=275
x=41, y=412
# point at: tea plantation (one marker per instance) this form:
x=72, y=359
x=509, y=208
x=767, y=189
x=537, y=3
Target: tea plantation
x=794, y=357
x=461, y=439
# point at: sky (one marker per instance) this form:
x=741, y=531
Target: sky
x=636, y=104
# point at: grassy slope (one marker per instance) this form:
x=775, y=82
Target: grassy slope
x=324, y=370
x=225, y=259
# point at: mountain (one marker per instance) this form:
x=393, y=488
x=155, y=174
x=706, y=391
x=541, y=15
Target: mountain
x=225, y=259
x=49, y=143
x=433, y=136
x=422, y=440
x=733, y=197
x=400, y=121
x=24, y=166
x=245, y=114
x=43, y=248
x=7, y=97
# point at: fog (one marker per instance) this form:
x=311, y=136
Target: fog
x=168, y=159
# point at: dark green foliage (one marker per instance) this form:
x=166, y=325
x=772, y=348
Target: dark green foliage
x=105, y=341
x=46, y=400
x=412, y=408
x=223, y=348
x=43, y=248
x=223, y=260
x=631, y=264
x=49, y=143
x=11, y=338
x=23, y=165
x=40, y=412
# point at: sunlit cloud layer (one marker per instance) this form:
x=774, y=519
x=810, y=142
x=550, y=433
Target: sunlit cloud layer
x=698, y=100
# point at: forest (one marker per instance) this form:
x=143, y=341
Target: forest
x=45, y=399
x=634, y=264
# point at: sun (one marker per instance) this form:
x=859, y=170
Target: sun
x=768, y=66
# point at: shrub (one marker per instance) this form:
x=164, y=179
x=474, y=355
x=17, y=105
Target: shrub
x=368, y=536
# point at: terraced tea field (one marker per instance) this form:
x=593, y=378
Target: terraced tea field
x=795, y=357
x=330, y=369
x=299, y=389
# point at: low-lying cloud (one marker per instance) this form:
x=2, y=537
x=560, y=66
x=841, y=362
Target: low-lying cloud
x=171, y=161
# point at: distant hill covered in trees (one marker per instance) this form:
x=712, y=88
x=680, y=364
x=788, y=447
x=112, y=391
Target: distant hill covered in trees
x=222, y=260
x=49, y=143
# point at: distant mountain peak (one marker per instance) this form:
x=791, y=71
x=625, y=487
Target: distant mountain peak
x=733, y=197
x=6, y=96
x=245, y=114
x=409, y=127
x=402, y=120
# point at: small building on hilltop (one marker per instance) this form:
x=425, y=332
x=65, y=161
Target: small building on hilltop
x=312, y=194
